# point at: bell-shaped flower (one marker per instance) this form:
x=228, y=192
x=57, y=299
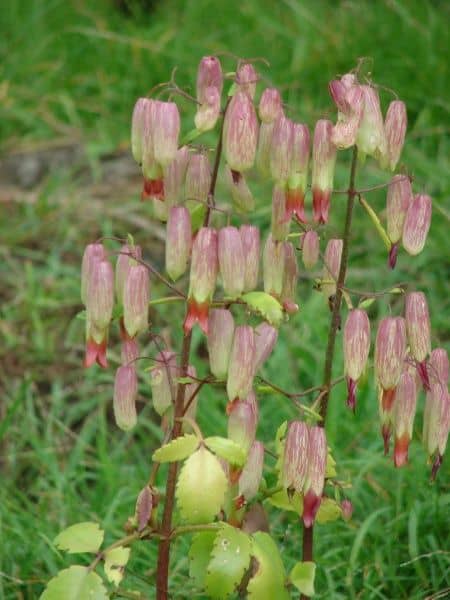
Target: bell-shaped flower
x=324, y=160
x=240, y=133
x=241, y=364
x=310, y=249
x=219, y=341
x=417, y=224
x=178, y=241
x=125, y=393
x=356, y=340
x=231, y=261
x=251, y=249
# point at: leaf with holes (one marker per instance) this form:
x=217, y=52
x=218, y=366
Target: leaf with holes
x=268, y=582
x=230, y=559
x=265, y=305
x=115, y=561
x=75, y=583
x=177, y=449
x=227, y=449
x=201, y=487
x=200, y=555
x=82, y=537
x=302, y=576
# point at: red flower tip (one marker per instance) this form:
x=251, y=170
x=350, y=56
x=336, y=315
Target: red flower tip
x=386, y=433
x=387, y=399
x=295, y=205
x=423, y=373
x=401, y=450
x=95, y=353
x=196, y=313
x=393, y=252
x=321, y=205
x=153, y=188
x=311, y=504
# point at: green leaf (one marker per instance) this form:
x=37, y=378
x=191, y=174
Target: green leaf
x=329, y=510
x=269, y=580
x=302, y=576
x=265, y=305
x=330, y=469
x=81, y=315
x=177, y=449
x=197, y=211
x=200, y=555
x=82, y=537
x=230, y=559
x=282, y=500
x=227, y=449
x=201, y=487
x=75, y=583
x=115, y=561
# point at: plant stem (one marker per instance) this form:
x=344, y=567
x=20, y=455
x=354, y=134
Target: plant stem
x=332, y=333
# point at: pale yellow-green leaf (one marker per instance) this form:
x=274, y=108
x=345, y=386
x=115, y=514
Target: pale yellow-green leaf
x=200, y=555
x=177, y=449
x=82, y=537
x=115, y=561
x=268, y=583
x=265, y=305
x=201, y=487
x=227, y=449
x=281, y=500
x=302, y=576
x=329, y=510
x=330, y=470
x=75, y=583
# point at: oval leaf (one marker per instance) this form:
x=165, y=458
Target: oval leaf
x=115, y=561
x=302, y=576
x=269, y=579
x=329, y=510
x=230, y=559
x=75, y=583
x=82, y=537
x=201, y=487
x=200, y=555
x=177, y=449
x=227, y=449
x=265, y=305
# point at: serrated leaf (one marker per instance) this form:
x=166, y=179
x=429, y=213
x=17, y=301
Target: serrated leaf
x=330, y=469
x=177, y=449
x=282, y=500
x=200, y=555
x=75, y=583
x=265, y=305
x=269, y=580
x=302, y=576
x=82, y=537
x=230, y=559
x=227, y=449
x=366, y=302
x=329, y=510
x=115, y=561
x=201, y=487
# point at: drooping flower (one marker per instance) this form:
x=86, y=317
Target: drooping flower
x=356, y=340
x=324, y=160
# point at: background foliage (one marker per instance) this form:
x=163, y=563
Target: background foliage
x=69, y=75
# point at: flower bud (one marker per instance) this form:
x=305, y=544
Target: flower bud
x=178, y=241
x=348, y=97
x=163, y=381
x=125, y=261
x=395, y=129
x=404, y=412
x=295, y=458
x=418, y=331
x=220, y=340
x=166, y=129
x=174, y=178
x=125, y=393
x=273, y=266
x=265, y=339
x=264, y=149
x=198, y=179
x=281, y=149
x=356, y=340
x=251, y=475
x=315, y=479
x=371, y=138
x=240, y=133
x=246, y=79
x=417, y=224
x=231, y=261
x=209, y=110
x=241, y=194
x=270, y=106
x=290, y=279
x=279, y=225
x=242, y=421
x=203, y=275
x=209, y=75
x=144, y=506
x=324, y=160
x=310, y=249
x=399, y=198
x=347, y=509
x=146, y=116
x=100, y=298
x=138, y=128
x=92, y=254
x=436, y=423
x=332, y=265
x=251, y=251
x=136, y=296
x=298, y=174
x=439, y=366
x=242, y=359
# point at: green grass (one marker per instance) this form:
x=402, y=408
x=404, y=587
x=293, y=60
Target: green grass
x=73, y=70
